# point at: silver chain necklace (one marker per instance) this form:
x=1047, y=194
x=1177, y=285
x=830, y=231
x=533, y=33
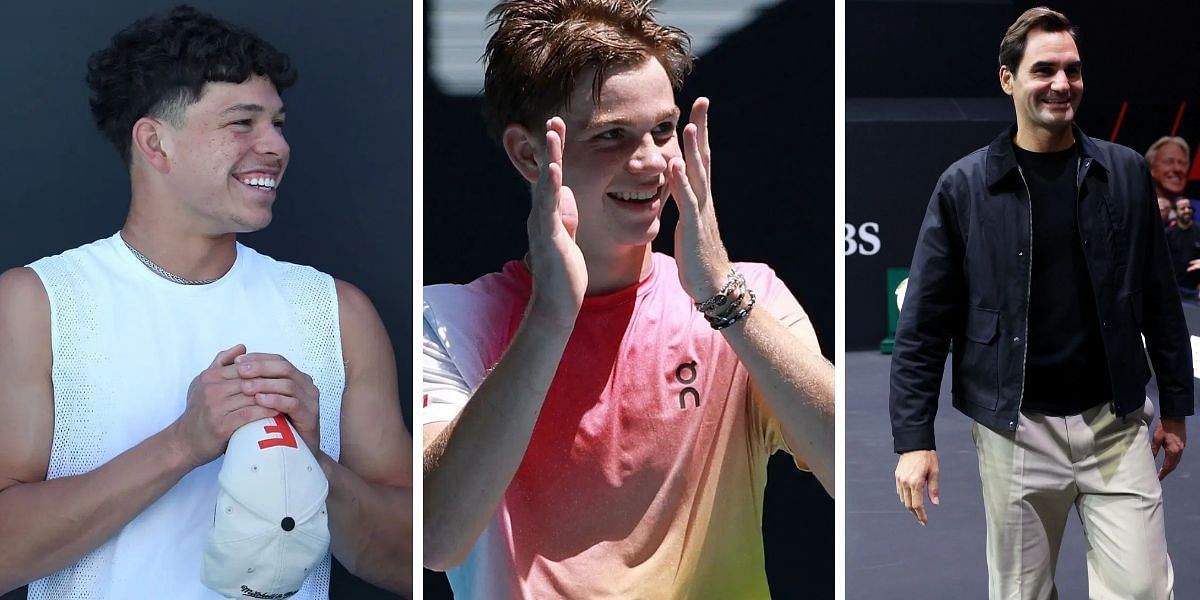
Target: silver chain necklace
x=165, y=274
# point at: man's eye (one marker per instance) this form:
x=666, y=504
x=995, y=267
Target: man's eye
x=611, y=134
x=665, y=128
x=278, y=124
x=242, y=123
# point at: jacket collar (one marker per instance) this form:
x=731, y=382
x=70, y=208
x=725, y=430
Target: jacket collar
x=1002, y=161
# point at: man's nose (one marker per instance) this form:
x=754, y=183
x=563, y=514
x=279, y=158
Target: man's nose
x=272, y=142
x=1061, y=81
x=648, y=158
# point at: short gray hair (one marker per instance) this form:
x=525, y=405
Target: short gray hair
x=1167, y=139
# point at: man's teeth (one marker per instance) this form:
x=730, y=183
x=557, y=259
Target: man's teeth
x=267, y=183
x=635, y=195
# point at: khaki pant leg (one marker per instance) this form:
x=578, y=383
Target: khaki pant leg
x=1120, y=507
x=1028, y=490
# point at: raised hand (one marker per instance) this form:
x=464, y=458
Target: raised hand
x=559, y=272
x=699, y=252
x=216, y=407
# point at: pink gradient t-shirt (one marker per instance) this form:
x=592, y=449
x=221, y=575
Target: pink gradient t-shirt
x=645, y=473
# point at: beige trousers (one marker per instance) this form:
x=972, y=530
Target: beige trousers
x=1095, y=461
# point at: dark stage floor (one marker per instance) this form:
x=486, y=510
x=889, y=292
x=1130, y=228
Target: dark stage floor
x=889, y=554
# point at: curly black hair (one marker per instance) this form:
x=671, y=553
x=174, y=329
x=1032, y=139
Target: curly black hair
x=158, y=67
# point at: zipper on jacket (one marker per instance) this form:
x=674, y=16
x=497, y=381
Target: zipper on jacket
x=1012, y=425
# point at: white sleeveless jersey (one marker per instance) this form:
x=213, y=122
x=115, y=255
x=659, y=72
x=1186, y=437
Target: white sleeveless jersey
x=127, y=344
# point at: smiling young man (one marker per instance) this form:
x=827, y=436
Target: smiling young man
x=1041, y=257
x=598, y=417
x=114, y=410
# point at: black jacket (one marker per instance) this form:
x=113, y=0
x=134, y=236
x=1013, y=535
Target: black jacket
x=969, y=285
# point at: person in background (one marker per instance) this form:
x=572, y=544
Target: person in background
x=1183, y=239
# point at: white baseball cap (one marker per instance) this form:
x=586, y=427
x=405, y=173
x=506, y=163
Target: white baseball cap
x=270, y=527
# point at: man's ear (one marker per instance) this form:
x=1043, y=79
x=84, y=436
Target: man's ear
x=1006, y=77
x=524, y=149
x=151, y=141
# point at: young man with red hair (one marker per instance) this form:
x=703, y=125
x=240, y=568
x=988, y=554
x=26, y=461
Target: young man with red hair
x=599, y=417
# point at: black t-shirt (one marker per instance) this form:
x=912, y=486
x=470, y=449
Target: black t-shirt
x=1065, y=369
x=1185, y=247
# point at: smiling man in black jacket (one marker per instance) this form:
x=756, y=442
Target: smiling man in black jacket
x=1041, y=257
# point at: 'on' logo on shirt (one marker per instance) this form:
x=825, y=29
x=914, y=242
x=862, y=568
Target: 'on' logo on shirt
x=686, y=374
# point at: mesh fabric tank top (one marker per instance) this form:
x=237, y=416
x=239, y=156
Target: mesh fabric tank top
x=126, y=346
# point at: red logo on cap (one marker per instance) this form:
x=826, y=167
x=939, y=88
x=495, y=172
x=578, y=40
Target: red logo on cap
x=285, y=435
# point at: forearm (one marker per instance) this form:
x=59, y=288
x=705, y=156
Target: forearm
x=796, y=383
x=470, y=464
x=1164, y=327
x=370, y=527
x=1166, y=335
x=47, y=525
x=915, y=380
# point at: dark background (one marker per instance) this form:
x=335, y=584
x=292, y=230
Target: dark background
x=922, y=90
x=771, y=86
x=345, y=204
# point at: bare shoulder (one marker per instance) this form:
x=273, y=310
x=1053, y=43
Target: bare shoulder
x=27, y=396
x=22, y=291
x=24, y=318
x=352, y=302
x=375, y=442
x=363, y=334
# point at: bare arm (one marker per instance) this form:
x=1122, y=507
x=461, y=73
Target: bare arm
x=469, y=462
x=791, y=378
x=794, y=382
x=370, y=488
x=48, y=525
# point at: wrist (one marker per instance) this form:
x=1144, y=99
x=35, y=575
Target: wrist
x=328, y=465
x=712, y=283
x=176, y=452
x=553, y=318
x=732, y=303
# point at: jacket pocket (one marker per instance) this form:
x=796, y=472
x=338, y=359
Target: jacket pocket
x=978, y=370
x=982, y=324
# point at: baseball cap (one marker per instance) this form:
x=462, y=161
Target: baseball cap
x=270, y=527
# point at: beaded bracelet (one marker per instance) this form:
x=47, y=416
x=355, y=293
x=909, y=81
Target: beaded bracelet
x=735, y=281
x=719, y=323
x=732, y=305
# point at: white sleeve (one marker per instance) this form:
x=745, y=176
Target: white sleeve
x=444, y=391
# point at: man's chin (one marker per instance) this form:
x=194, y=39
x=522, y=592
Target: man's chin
x=250, y=224
x=624, y=238
x=645, y=236
x=1058, y=119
